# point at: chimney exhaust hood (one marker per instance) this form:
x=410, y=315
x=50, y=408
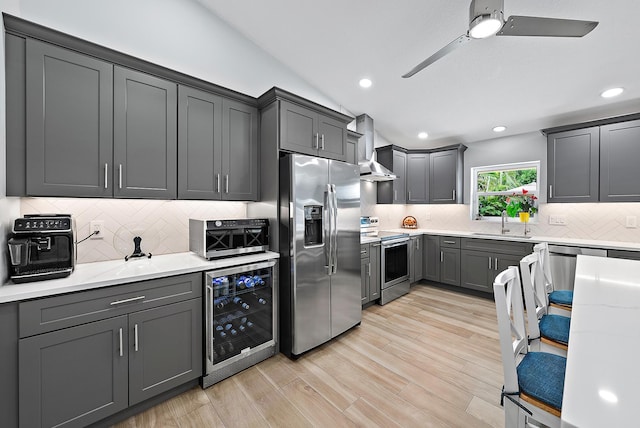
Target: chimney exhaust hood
x=370, y=170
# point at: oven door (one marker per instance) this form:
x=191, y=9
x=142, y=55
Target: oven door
x=394, y=262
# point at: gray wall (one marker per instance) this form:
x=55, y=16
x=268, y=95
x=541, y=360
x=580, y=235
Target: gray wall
x=518, y=148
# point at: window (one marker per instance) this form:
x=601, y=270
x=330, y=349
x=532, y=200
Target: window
x=494, y=188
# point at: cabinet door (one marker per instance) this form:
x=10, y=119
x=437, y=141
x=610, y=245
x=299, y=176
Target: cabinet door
x=199, y=144
x=144, y=136
x=69, y=123
x=374, y=282
x=443, y=177
x=450, y=266
x=619, y=155
x=573, y=165
x=431, y=258
x=298, y=129
x=333, y=138
x=351, y=149
x=365, y=279
x=75, y=376
x=502, y=262
x=418, y=178
x=239, y=151
x=476, y=270
x=417, y=258
x=165, y=348
x=400, y=184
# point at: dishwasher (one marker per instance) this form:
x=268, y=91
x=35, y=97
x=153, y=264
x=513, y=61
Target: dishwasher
x=562, y=259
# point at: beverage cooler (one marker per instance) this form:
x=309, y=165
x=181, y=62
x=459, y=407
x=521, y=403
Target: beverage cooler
x=240, y=308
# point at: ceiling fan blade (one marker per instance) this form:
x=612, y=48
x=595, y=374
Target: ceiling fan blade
x=545, y=27
x=436, y=56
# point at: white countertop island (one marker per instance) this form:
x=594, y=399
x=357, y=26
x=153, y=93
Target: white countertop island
x=602, y=377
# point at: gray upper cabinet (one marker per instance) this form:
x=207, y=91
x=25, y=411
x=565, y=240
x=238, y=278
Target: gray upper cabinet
x=573, y=165
x=351, y=149
x=619, y=155
x=199, y=144
x=217, y=147
x=304, y=130
x=239, y=151
x=395, y=191
x=145, y=136
x=417, y=178
x=443, y=177
x=69, y=117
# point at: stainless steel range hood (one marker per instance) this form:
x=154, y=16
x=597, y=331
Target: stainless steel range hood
x=370, y=170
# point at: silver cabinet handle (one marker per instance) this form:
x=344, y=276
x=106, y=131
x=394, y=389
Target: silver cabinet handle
x=135, y=337
x=489, y=263
x=369, y=269
x=454, y=194
x=106, y=175
x=322, y=139
x=121, y=351
x=395, y=195
x=226, y=183
x=375, y=245
x=217, y=183
x=317, y=145
x=133, y=299
x=441, y=257
x=409, y=194
x=120, y=176
x=449, y=242
x=363, y=251
x=550, y=191
x=496, y=264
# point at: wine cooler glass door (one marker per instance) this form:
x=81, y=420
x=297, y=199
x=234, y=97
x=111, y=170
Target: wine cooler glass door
x=240, y=310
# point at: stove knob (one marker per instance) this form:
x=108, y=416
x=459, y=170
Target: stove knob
x=218, y=223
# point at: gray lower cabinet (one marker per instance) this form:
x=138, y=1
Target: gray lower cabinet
x=88, y=355
x=441, y=259
x=415, y=258
x=306, y=131
x=445, y=180
x=145, y=146
x=417, y=178
x=69, y=123
x=619, y=155
x=573, y=165
x=370, y=272
x=482, y=260
x=623, y=254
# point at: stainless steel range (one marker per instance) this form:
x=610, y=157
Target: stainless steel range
x=394, y=259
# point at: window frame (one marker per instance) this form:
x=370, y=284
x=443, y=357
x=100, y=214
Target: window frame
x=474, y=202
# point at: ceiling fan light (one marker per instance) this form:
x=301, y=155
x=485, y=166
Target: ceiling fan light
x=484, y=26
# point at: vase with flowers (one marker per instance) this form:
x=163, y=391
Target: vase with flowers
x=522, y=204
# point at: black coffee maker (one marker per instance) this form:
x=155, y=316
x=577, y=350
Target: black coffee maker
x=42, y=247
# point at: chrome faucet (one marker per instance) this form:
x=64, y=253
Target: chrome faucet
x=504, y=220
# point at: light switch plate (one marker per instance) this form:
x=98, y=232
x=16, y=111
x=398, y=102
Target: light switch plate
x=96, y=226
x=559, y=220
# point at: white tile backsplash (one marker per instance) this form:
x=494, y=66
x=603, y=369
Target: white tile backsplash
x=164, y=224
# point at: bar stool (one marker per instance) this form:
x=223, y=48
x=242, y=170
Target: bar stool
x=561, y=300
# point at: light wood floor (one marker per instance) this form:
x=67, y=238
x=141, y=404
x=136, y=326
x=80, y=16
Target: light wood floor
x=428, y=359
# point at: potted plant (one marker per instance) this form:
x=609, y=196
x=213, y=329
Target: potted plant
x=522, y=204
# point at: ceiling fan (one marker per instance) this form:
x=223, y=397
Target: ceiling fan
x=486, y=18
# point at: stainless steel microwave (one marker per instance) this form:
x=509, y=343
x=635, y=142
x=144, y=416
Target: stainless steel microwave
x=223, y=238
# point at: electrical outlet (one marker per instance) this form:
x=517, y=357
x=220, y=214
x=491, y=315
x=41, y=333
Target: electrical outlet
x=632, y=222
x=428, y=216
x=96, y=226
x=559, y=220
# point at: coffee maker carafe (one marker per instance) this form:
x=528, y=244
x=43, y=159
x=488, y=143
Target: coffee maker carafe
x=41, y=247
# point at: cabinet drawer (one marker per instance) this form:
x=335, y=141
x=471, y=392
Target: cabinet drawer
x=496, y=246
x=450, y=241
x=53, y=313
x=364, y=251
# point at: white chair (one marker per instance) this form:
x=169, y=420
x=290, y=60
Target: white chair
x=547, y=332
x=533, y=381
x=560, y=301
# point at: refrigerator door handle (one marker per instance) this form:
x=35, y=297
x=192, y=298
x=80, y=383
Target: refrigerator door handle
x=328, y=232
x=334, y=246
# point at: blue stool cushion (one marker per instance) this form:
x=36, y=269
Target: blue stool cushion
x=541, y=376
x=555, y=327
x=561, y=297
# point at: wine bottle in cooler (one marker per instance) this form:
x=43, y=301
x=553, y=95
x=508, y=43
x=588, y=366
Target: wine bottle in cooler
x=238, y=301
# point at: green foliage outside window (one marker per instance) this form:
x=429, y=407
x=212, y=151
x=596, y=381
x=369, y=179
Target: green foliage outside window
x=507, y=182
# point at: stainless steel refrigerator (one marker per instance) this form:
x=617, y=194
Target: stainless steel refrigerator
x=320, y=295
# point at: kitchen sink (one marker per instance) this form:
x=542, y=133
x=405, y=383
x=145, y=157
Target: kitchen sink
x=497, y=235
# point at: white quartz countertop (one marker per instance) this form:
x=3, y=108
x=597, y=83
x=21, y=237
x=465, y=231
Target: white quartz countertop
x=602, y=376
x=87, y=276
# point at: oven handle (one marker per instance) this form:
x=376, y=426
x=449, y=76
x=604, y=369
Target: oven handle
x=395, y=242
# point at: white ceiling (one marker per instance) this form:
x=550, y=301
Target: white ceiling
x=524, y=83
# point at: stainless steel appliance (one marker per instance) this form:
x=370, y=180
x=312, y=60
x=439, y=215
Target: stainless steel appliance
x=320, y=251
x=563, y=263
x=222, y=238
x=42, y=247
x=240, y=318
x=394, y=259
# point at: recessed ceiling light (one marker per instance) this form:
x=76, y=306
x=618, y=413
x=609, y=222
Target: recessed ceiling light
x=613, y=92
x=365, y=83
x=499, y=128
x=423, y=135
